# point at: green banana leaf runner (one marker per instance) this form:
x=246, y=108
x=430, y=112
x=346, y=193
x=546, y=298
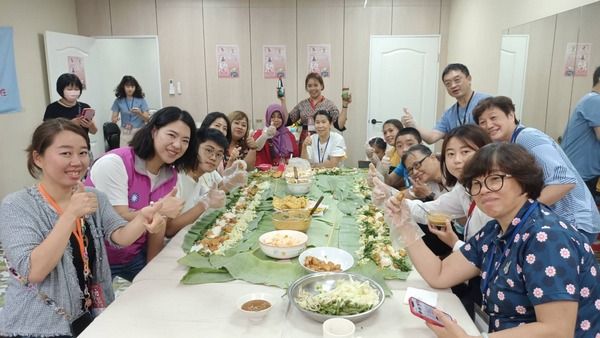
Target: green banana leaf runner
x=338, y=227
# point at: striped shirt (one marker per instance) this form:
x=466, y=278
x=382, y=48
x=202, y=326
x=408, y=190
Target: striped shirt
x=577, y=206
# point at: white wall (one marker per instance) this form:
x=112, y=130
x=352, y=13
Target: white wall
x=29, y=20
x=475, y=32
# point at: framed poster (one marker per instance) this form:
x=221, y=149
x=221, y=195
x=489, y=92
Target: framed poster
x=319, y=59
x=228, y=61
x=274, y=61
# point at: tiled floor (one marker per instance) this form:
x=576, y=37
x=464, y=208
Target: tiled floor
x=119, y=284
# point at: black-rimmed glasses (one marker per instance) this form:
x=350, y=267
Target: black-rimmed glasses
x=492, y=183
x=417, y=165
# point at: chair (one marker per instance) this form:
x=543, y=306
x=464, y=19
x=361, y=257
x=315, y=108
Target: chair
x=112, y=136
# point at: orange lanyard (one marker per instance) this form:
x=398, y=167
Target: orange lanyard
x=77, y=232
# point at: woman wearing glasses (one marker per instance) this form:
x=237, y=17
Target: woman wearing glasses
x=325, y=149
x=195, y=187
x=539, y=275
x=425, y=174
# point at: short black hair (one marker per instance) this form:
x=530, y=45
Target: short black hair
x=503, y=103
x=510, y=158
x=324, y=113
x=211, y=117
x=128, y=80
x=596, y=77
x=65, y=80
x=143, y=141
x=214, y=135
x=471, y=134
x=410, y=131
x=419, y=148
x=456, y=66
x=377, y=142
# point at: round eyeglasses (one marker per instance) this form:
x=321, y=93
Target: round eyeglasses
x=492, y=183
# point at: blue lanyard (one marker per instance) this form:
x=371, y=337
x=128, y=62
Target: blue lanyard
x=490, y=273
x=324, y=150
x=516, y=133
x=464, y=121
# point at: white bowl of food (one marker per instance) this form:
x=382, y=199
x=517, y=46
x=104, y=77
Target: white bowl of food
x=283, y=244
x=299, y=186
x=256, y=305
x=326, y=259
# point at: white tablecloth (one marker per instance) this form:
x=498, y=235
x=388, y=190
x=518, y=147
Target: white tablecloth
x=157, y=305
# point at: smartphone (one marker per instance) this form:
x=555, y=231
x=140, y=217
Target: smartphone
x=424, y=311
x=88, y=113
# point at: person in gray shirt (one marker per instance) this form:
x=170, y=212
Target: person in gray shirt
x=53, y=237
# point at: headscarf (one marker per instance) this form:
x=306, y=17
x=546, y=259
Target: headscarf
x=281, y=142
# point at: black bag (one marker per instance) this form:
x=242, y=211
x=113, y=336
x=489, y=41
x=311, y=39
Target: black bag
x=79, y=324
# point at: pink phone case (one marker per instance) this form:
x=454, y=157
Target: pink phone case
x=424, y=311
x=88, y=113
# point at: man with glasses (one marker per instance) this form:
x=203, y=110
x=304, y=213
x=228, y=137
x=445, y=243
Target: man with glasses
x=457, y=80
x=204, y=188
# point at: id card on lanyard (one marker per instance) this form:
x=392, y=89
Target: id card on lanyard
x=492, y=271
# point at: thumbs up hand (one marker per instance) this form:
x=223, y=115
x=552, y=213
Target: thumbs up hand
x=153, y=220
x=214, y=199
x=407, y=119
x=171, y=204
x=373, y=173
x=82, y=202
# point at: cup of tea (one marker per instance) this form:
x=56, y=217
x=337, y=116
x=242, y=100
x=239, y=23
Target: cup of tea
x=438, y=219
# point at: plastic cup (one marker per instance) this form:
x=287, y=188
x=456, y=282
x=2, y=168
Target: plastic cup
x=438, y=219
x=338, y=328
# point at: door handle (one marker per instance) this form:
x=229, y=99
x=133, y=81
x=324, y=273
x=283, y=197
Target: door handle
x=374, y=121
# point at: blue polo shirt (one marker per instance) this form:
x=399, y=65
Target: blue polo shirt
x=547, y=261
x=579, y=139
x=457, y=116
x=124, y=106
x=401, y=171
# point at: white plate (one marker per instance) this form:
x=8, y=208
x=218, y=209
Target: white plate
x=329, y=254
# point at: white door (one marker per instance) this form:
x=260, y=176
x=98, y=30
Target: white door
x=513, y=64
x=403, y=72
x=105, y=61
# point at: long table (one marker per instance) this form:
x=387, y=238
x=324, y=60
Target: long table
x=158, y=305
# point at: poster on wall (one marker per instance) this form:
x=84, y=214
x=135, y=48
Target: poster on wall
x=274, y=61
x=577, y=58
x=319, y=59
x=75, y=66
x=9, y=89
x=228, y=61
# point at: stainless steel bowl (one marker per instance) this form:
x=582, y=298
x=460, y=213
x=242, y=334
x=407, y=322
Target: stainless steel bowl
x=327, y=281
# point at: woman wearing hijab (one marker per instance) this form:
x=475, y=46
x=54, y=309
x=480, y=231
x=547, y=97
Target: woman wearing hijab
x=276, y=144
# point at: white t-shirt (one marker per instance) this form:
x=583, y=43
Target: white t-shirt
x=190, y=191
x=110, y=176
x=334, y=147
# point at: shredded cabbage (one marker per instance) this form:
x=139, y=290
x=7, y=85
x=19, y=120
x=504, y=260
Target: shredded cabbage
x=347, y=298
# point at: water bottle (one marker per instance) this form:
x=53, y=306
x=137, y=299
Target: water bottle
x=280, y=89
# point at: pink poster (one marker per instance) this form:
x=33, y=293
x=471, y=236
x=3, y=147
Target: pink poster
x=577, y=58
x=228, y=61
x=75, y=66
x=274, y=61
x=319, y=59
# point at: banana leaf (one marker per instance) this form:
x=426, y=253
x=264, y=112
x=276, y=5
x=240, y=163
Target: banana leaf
x=201, y=276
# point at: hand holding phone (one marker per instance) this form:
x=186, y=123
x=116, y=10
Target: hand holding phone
x=88, y=113
x=424, y=311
